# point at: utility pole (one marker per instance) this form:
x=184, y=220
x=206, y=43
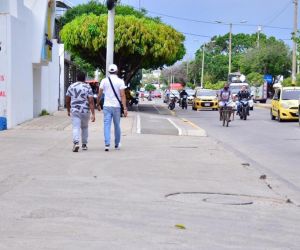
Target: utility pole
x=230, y=42
x=258, y=35
x=187, y=69
x=202, y=69
x=110, y=34
x=294, y=62
x=230, y=47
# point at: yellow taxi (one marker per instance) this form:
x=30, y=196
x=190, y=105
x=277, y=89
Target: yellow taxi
x=285, y=103
x=205, y=99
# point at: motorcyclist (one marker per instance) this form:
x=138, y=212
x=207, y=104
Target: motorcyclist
x=183, y=95
x=241, y=95
x=225, y=97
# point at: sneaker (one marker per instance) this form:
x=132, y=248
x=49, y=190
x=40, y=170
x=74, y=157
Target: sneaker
x=75, y=147
x=106, y=148
x=118, y=147
x=84, y=147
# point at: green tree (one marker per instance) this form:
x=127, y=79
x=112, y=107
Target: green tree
x=84, y=66
x=255, y=78
x=139, y=42
x=287, y=82
x=273, y=57
x=94, y=7
x=150, y=87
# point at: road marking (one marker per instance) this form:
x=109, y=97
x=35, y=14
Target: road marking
x=191, y=123
x=156, y=109
x=175, y=125
x=138, y=124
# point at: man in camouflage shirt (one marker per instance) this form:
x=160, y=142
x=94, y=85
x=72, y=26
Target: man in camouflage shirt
x=79, y=101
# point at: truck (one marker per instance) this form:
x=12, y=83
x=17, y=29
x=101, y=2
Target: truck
x=259, y=92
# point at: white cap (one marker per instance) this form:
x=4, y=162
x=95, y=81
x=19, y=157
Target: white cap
x=112, y=68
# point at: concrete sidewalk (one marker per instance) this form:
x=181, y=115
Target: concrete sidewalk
x=52, y=198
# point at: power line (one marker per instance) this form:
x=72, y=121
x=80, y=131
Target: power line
x=198, y=35
x=192, y=34
x=215, y=23
x=280, y=12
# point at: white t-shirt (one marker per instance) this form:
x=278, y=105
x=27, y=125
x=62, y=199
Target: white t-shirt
x=110, y=99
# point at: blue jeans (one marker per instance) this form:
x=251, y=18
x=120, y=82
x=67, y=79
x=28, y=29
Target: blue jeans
x=112, y=113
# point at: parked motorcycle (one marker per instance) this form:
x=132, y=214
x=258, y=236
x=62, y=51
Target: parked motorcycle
x=244, y=109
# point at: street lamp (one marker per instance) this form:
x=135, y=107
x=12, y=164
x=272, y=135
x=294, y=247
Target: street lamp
x=230, y=42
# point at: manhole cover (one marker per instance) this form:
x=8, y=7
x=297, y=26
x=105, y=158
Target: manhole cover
x=228, y=200
x=220, y=198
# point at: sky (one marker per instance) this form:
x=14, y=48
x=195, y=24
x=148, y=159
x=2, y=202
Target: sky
x=197, y=18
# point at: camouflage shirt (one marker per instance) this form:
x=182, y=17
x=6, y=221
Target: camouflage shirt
x=80, y=93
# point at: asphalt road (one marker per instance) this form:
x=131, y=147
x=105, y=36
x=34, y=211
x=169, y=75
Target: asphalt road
x=270, y=146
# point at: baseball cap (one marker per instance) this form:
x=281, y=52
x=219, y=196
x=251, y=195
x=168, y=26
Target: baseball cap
x=112, y=68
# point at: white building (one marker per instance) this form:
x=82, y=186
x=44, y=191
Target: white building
x=29, y=60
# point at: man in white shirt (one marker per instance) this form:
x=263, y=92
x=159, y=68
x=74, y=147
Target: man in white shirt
x=113, y=89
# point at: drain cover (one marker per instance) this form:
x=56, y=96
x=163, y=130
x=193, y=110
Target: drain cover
x=228, y=200
x=184, y=147
x=220, y=198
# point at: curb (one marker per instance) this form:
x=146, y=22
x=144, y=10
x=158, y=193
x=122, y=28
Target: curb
x=189, y=128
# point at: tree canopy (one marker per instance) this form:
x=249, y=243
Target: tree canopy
x=139, y=42
x=271, y=57
x=94, y=7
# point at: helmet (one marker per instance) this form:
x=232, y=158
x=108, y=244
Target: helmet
x=112, y=68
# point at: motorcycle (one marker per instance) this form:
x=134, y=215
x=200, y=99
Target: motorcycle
x=244, y=109
x=134, y=100
x=172, y=103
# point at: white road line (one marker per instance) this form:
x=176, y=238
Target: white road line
x=156, y=109
x=138, y=124
x=175, y=125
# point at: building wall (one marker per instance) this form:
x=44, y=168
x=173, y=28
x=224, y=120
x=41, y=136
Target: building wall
x=31, y=84
x=50, y=81
x=20, y=85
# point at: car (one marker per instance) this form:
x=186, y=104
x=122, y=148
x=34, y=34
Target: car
x=146, y=94
x=156, y=94
x=285, y=104
x=235, y=88
x=299, y=111
x=191, y=93
x=205, y=99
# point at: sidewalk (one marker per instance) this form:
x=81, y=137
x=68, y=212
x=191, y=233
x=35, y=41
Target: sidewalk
x=52, y=198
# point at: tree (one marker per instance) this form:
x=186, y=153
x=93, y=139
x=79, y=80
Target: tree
x=243, y=57
x=255, y=78
x=287, y=82
x=150, y=87
x=273, y=57
x=94, y=7
x=139, y=42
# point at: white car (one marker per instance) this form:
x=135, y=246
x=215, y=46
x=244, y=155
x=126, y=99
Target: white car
x=191, y=93
x=235, y=88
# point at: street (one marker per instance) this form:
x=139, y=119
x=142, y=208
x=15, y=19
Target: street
x=269, y=146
